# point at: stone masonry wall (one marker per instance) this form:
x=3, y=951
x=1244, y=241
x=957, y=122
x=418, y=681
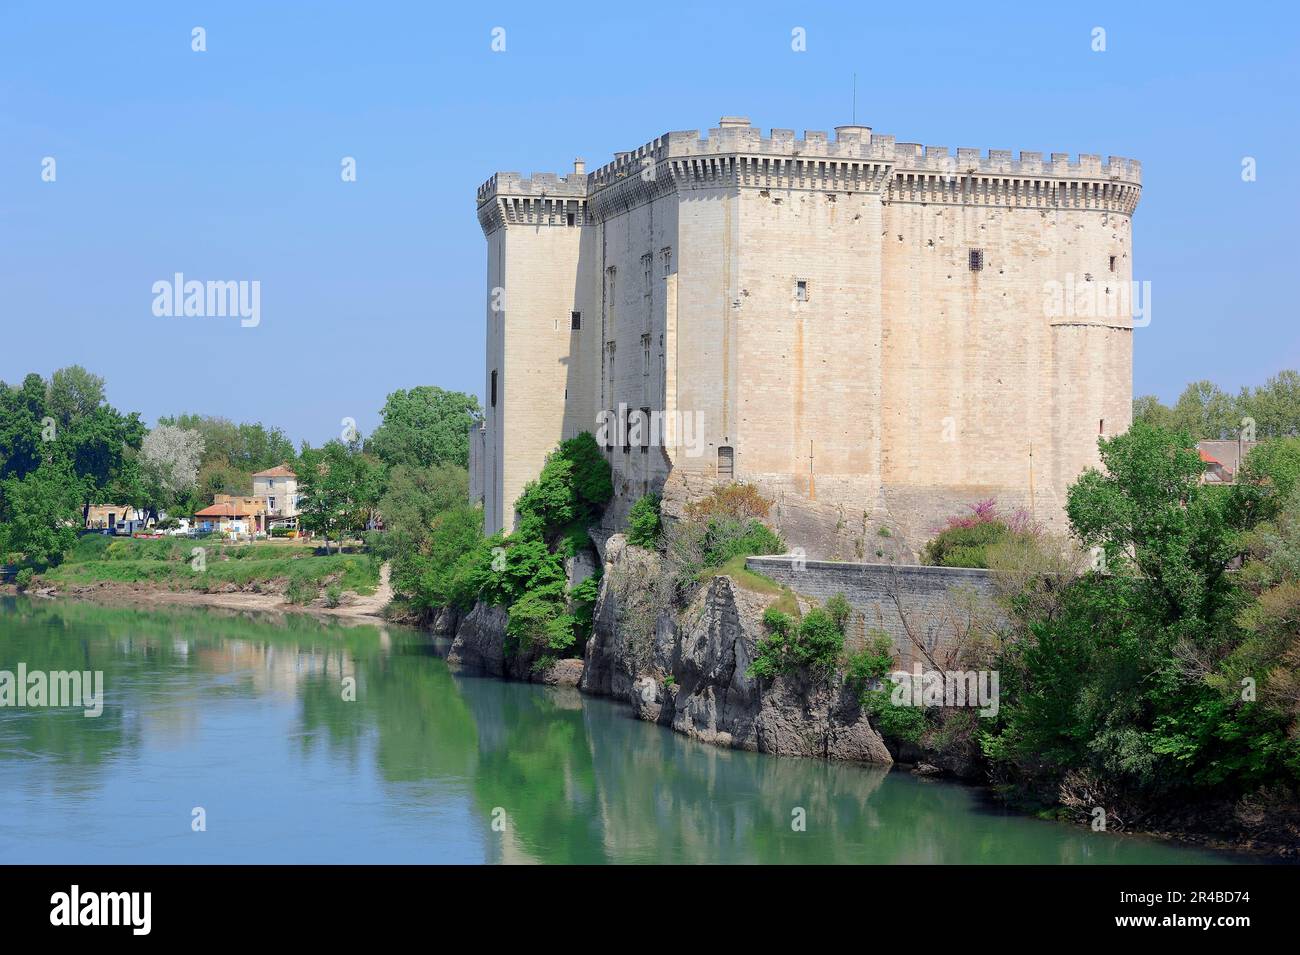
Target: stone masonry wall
x=929, y=596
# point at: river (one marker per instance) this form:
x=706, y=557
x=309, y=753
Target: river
x=230, y=738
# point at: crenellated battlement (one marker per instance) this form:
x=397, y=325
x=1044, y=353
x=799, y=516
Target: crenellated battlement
x=573, y=185
x=851, y=158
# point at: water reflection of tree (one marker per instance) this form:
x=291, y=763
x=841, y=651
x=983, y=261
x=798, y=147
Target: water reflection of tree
x=409, y=701
x=535, y=764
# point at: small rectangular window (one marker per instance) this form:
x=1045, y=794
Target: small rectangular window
x=645, y=430
x=1112, y=262
x=494, y=388
x=575, y=321
x=801, y=291
x=976, y=260
x=572, y=218
x=726, y=463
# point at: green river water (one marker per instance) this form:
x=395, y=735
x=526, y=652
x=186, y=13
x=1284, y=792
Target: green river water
x=245, y=719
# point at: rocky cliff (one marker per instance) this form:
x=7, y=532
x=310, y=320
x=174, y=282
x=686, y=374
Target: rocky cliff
x=688, y=669
x=480, y=646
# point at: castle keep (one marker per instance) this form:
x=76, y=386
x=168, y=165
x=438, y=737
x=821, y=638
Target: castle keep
x=863, y=328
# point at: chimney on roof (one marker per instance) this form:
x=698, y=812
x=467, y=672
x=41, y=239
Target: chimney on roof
x=579, y=167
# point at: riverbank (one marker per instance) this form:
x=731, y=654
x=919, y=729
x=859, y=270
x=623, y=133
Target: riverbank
x=266, y=595
x=265, y=577
x=722, y=713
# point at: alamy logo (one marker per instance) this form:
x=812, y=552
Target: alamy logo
x=1096, y=299
x=641, y=427
x=103, y=908
x=975, y=688
x=55, y=688
x=194, y=299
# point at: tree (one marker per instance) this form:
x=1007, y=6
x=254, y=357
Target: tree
x=414, y=497
x=1204, y=411
x=73, y=394
x=22, y=429
x=169, y=460
x=1275, y=407
x=1148, y=508
x=1149, y=410
x=425, y=427
x=243, y=448
x=97, y=447
x=41, y=518
x=338, y=488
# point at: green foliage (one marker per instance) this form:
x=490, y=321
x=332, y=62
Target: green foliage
x=644, y=523
x=1133, y=675
x=725, y=539
x=301, y=590
x=965, y=546
x=812, y=644
x=1148, y=508
x=338, y=489
x=168, y=563
x=1205, y=411
x=539, y=621
x=23, y=579
x=430, y=567
x=573, y=489
x=42, y=515
x=1276, y=465
x=871, y=663
x=425, y=427
x=333, y=595
x=241, y=449
x=904, y=724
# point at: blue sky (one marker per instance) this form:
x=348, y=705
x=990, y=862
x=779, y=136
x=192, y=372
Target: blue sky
x=225, y=164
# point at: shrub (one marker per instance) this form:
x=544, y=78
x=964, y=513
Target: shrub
x=896, y=723
x=870, y=664
x=644, y=523
x=740, y=502
x=814, y=644
x=966, y=538
x=573, y=488
x=333, y=595
x=538, y=620
x=301, y=590
x=24, y=578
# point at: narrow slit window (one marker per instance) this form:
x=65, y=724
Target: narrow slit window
x=575, y=321
x=1113, y=259
x=494, y=388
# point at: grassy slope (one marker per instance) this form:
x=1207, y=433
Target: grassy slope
x=168, y=563
x=756, y=583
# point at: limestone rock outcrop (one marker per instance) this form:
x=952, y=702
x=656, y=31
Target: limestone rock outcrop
x=689, y=671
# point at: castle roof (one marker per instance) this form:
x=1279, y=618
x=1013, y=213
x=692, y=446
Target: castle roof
x=734, y=136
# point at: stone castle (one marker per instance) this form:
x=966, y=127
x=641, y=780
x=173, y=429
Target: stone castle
x=861, y=327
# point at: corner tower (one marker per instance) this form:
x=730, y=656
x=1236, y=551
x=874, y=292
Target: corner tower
x=535, y=320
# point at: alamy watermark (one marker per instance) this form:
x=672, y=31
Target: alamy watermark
x=58, y=688
x=641, y=427
x=180, y=298
x=1091, y=298
x=974, y=688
